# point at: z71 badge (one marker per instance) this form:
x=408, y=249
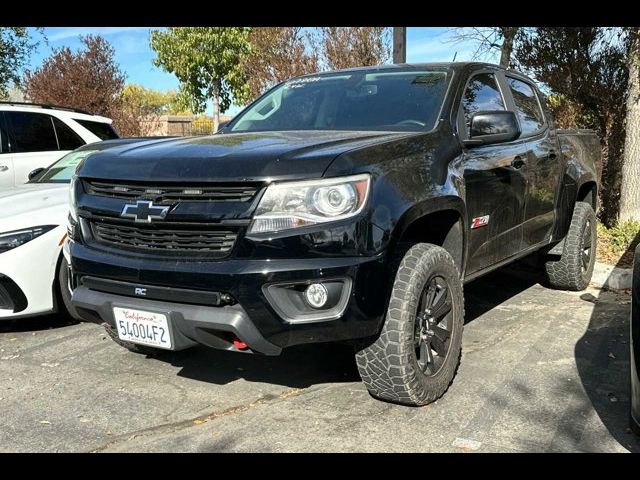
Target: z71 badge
x=480, y=222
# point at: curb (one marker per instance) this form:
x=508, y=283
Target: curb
x=610, y=277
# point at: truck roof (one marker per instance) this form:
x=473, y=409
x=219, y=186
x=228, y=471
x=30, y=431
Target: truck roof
x=410, y=66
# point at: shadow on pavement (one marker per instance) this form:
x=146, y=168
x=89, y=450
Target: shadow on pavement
x=602, y=359
x=306, y=365
x=297, y=367
x=495, y=288
x=36, y=324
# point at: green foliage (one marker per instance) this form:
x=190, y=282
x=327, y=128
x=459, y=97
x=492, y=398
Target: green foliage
x=205, y=60
x=148, y=101
x=619, y=239
x=15, y=47
x=569, y=114
x=182, y=103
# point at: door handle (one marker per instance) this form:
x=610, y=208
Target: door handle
x=3, y=168
x=517, y=162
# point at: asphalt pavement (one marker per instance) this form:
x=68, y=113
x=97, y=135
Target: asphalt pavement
x=542, y=370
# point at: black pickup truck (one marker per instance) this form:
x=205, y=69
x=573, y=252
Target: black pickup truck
x=345, y=206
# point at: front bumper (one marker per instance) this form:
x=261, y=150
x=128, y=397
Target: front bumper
x=190, y=324
x=253, y=320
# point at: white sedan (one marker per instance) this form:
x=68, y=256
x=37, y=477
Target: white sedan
x=33, y=230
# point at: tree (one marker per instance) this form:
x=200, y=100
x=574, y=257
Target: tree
x=276, y=54
x=206, y=61
x=630, y=178
x=489, y=39
x=345, y=47
x=149, y=101
x=88, y=79
x=143, y=106
x=16, y=46
x=585, y=66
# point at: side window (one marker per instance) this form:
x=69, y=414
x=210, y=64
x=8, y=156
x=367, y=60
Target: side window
x=482, y=94
x=31, y=132
x=527, y=106
x=104, y=131
x=4, y=138
x=67, y=138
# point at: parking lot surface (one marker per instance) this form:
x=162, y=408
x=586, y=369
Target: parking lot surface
x=541, y=370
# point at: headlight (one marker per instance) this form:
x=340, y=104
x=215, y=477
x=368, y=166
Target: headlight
x=289, y=205
x=11, y=240
x=72, y=198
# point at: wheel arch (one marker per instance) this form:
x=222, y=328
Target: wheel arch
x=439, y=221
x=588, y=192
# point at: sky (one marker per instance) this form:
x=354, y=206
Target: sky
x=135, y=57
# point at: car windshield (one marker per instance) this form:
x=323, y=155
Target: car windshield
x=63, y=169
x=406, y=100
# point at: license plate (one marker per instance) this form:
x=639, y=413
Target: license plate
x=145, y=328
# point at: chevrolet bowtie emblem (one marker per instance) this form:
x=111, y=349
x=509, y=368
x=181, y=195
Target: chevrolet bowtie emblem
x=144, y=211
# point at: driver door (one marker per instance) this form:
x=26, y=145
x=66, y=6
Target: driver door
x=495, y=182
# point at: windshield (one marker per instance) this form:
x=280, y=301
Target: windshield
x=63, y=169
x=366, y=100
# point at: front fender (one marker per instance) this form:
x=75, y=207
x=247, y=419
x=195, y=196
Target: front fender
x=426, y=207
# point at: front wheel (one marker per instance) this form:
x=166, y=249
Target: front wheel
x=416, y=356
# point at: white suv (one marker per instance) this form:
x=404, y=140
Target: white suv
x=34, y=136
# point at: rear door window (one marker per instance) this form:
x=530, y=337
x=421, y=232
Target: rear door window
x=31, y=132
x=104, y=131
x=67, y=138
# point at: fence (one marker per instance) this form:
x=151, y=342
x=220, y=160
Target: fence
x=202, y=126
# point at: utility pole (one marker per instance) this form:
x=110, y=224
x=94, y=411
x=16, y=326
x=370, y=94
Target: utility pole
x=399, y=44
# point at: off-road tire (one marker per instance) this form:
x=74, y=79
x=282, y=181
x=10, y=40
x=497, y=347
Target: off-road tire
x=132, y=347
x=389, y=366
x=64, y=293
x=567, y=272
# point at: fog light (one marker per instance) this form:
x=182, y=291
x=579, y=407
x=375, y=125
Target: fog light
x=316, y=295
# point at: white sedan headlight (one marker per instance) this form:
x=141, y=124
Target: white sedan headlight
x=17, y=238
x=289, y=205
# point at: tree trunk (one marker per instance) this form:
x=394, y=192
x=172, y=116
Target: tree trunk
x=399, y=44
x=508, y=35
x=630, y=186
x=216, y=106
x=613, y=143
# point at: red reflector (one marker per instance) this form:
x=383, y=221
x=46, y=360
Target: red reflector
x=239, y=344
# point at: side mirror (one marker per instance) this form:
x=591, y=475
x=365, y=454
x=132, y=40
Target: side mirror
x=34, y=173
x=493, y=127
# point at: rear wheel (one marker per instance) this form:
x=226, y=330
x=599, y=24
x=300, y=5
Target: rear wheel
x=416, y=356
x=573, y=270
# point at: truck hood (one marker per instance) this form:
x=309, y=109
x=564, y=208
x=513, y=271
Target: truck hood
x=230, y=157
x=33, y=204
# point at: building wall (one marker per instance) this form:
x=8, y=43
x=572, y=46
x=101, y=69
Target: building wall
x=178, y=125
